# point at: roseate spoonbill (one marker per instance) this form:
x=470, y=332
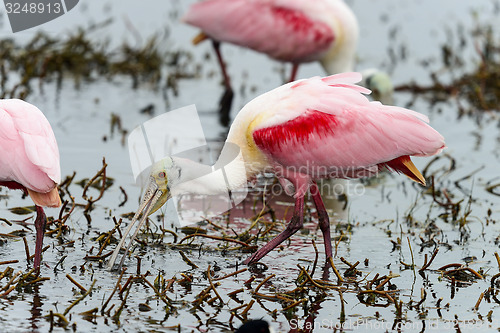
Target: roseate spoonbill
x=295, y=31
x=29, y=159
x=302, y=131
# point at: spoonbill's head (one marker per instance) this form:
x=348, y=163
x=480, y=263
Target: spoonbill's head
x=380, y=84
x=158, y=189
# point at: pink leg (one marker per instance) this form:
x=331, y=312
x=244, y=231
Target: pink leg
x=292, y=227
x=40, y=222
x=227, y=98
x=295, y=69
x=324, y=222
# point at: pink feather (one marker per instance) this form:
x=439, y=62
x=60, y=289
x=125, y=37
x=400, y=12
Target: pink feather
x=285, y=30
x=28, y=148
x=326, y=128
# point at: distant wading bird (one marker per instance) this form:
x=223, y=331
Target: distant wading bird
x=302, y=131
x=380, y=84
x=295, y=31
x=29, y=160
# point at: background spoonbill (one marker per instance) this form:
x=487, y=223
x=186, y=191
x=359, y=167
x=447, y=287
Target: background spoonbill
x=380, y=84
x=29, y=159
x=302, y=131
x=295, y=31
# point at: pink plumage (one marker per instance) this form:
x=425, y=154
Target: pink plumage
x=29, y=158
x=28, y=141
x=338, y=130
x=326, y=128
x=294, y=31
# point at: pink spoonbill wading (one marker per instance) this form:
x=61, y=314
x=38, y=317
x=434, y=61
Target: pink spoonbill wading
x=303, y=131
x=295, y=31
x=29, y=160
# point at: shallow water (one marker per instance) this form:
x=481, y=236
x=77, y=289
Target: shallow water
x=81, y=119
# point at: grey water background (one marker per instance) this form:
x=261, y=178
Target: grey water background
x=80, y=119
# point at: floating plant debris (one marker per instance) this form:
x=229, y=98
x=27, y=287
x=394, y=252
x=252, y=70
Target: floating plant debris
x=474, y=91
x=45, y=59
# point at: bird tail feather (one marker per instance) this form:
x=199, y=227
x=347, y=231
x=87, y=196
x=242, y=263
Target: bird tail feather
x=404, y=165
x=49, y=199
x=199, y=38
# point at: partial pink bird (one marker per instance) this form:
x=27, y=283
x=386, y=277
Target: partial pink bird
x=302, y=131
x=29, y=160
x=295, y=31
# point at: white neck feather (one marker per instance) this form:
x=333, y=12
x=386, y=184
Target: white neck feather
x=227, y=174
x=341, y=58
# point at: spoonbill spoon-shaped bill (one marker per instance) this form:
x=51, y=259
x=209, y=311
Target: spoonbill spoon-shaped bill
x=303, y=131
x=29, y=159
x=295, y=31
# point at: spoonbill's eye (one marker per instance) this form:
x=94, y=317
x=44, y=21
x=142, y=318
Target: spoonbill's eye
x=161, y=174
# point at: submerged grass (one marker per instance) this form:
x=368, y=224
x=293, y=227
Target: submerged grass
x=45, y=59
x=222, y=295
